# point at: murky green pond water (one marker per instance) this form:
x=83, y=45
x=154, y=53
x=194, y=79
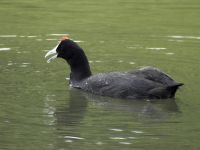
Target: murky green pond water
x=39, y=111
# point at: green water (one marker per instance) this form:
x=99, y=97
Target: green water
x=38, y=110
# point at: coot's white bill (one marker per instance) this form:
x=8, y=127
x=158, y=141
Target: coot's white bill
x=52, y=52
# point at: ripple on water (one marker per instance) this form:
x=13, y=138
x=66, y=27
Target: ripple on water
x=7, y=121
x=101, y=42
x=73, y=137
x=51, y=39
x=155, y=138
x=117, y=138
x=131, y=47
x=135, y=47
x=8, y=36
x=99, y=143
x=125, y=143
x=131, y=63
x=175, y=40
x=58, y=34
x=68, y=141
x=27, y=36
x=156, y=48
x=91, y=61
x=78, y=41
x=5, y=49
x=184, y=37
x=133, y=138
x=25, y=64
x=137, y=132
x=118, y=130
x=31, y=36
x=9, y=64
x=169, y=53
x=20, y=52
x=98, y=61
x=39, y=40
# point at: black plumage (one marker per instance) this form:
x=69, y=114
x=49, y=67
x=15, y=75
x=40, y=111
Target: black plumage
x=147, y=82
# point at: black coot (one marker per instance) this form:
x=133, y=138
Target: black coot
x=144, y=83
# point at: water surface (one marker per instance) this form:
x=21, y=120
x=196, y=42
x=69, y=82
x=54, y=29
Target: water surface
x=38, y=110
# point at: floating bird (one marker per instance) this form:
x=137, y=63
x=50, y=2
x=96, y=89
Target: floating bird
x=144, y=83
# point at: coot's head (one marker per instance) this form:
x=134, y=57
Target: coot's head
x=75, y=57
x=65, y=49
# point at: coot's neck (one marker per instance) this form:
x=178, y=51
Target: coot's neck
x=80, y=68
x=79, y=64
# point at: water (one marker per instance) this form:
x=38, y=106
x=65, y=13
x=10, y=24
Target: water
x=38, y=110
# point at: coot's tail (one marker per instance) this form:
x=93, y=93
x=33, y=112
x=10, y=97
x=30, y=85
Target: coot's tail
x=173, y=88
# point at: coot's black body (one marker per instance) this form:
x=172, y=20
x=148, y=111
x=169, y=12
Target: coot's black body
x=144, y=83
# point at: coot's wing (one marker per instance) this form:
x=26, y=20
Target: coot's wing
x=155, y=75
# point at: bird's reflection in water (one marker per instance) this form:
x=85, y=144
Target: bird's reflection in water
x=74, y=112
x=70, y=122
x=155, y=110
